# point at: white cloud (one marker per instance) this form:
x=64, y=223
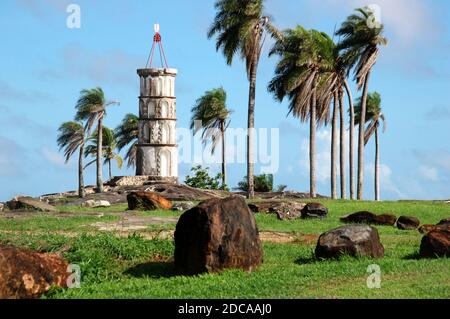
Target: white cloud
x=387, y=185
x=53, y=157
x=429, y=173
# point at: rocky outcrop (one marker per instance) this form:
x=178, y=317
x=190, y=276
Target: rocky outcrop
x=26, y=274
x=283, y=210
x=408, y=223
x=147, y=201
x=436, y=243
x=215, y=235
x=353, y=240
x=314, y=210
x=365, y=217
x=95, y=203
x=30, y=204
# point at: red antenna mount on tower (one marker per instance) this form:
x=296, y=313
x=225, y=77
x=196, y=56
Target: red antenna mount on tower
x=157, y=41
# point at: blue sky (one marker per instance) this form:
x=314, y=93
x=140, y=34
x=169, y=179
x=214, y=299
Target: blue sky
x=44, y=65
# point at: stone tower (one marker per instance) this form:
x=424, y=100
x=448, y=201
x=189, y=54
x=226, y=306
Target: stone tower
x=157, y=153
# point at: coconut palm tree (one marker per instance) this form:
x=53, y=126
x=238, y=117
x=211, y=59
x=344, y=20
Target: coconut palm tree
x=211, y=110
x=108, y=149
x=127, y=133
x=91, y=107
x=373, y=117
x=70, y=138
x=332, y=85
x=361, y=38
x=241, y=27
x=298, y=74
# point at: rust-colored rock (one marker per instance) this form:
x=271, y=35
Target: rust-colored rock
x=425, y=229
x=353, y=240
x=26, y=274
x=408, y=223
x=365, y=217
x=215, y=235
x=314, y=210
x=435, y=244
x=147, y=201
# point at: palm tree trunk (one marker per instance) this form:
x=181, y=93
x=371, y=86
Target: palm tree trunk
x=224, y=164
x=81, y=192
x=312, y=147
x=334, y=148
x=250, y=127
x=109, y=169
x=342, y=145
x=361, y=137
x=377, y=167
x=351, y=140
x=99, y=155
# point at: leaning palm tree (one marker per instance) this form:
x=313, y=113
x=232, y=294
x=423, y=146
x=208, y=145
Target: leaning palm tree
x=360, y=48
x=240, y=27
x=211, y=110
x=108, y=149
x=70, y=138
x=373, y=118
x=91, y=107
x=298, y=75
x=127, y=134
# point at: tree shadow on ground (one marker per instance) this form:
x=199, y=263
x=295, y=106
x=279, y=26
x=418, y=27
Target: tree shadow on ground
x=152, y=270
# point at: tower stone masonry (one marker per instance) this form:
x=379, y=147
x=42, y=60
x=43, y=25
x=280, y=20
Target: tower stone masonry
x=157, y=153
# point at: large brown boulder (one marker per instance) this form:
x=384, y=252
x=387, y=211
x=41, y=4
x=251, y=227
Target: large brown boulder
x=435, y=244
x=365, y=217
x=353, y=240
x=425, y=229
x=30, y=204
x=215, y=235
x=25, y=274
x=314, y=210
x=147, y=201
x=408, y=223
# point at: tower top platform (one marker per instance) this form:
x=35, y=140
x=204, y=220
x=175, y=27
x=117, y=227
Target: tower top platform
x=157, y=71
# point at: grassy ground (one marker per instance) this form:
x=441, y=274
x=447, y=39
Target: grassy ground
x=133, y=267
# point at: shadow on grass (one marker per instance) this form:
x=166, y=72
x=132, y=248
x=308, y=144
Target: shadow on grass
x=152, y=270
x=413, y=256
x=307, y=260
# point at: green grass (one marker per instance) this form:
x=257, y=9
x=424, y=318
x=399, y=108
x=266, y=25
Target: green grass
x=133, y=267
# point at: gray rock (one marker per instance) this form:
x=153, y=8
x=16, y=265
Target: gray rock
x=287, y=211
x=2, y=207
x=95, y=203
x=314, y=210
x=181, y=207
x=353, y=240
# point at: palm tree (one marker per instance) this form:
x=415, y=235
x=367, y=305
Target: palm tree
x=360, y=48
x=211, y=110
x=91, y=107
x=373, y=118
x=303, y=62
x=109, y=145
x=239, y=26
x=127, y=133
x=70, y=138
